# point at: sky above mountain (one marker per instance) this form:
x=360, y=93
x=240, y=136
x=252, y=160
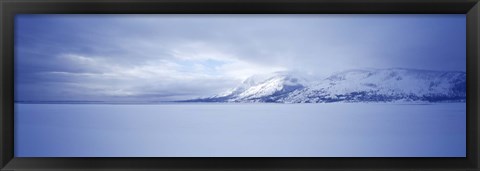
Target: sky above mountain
x=172, y=57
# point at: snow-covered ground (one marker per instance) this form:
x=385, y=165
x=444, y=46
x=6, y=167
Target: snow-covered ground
x=232, y=129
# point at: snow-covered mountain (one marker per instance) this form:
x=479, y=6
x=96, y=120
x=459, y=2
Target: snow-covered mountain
x=363, y=85
x=261, y=88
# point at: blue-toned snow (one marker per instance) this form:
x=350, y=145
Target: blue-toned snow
x=267, y=130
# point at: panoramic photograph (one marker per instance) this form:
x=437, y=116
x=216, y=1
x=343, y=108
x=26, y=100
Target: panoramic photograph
x=240, y=85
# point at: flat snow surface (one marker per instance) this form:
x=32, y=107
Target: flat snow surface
x=250, y=130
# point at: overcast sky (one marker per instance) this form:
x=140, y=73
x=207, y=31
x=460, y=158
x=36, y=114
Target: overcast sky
x=171, y=57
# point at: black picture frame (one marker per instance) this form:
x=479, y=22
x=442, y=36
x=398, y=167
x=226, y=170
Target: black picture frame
x=9, y=8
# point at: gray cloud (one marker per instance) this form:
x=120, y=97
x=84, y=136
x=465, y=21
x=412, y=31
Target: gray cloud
x=182, y=56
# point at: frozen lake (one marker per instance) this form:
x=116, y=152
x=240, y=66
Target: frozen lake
x=240, y=130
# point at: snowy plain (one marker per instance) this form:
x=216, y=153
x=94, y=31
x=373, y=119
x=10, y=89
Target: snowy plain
x=240, y=130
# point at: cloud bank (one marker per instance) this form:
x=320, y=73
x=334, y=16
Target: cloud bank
x=172, y=57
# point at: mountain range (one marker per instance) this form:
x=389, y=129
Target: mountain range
x=359, y=85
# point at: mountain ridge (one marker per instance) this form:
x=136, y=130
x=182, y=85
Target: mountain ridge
x=357, y=85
